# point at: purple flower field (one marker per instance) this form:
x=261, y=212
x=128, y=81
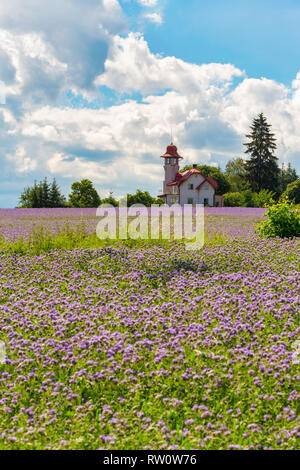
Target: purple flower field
x=150, y=347
x=16, y=223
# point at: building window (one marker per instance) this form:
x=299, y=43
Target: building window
x=206, y=187
x=191, y=186
x=190, y=200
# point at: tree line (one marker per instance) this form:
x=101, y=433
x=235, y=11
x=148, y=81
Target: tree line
x=257, y=179
x=83, y=194
x=250, y=182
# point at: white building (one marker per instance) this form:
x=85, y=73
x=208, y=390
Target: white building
x=189, y=187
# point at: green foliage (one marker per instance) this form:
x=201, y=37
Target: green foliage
x=142, y=197
x=247, y=198
x=287, y=175
x=235, y=173
x=292, y=192
x=41, y=195
x=264, y=198
x=262, y=169
x=84, y=194
x=283, y=221
x=234, y=200
x=216, y=174
x=110, y=200
x=55, y=197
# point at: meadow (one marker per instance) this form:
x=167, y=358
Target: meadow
x=147, y=345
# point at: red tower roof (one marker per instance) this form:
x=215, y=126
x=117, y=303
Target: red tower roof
x=171, y=152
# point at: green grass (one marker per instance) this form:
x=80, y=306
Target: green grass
x=68, y=238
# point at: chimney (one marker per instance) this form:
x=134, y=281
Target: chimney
x=195, y=166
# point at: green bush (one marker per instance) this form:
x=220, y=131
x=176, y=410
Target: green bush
x=283, y=221
x=264, y=198
x=248, y=198
x=292, y=192
x=142, y=197
x=234, y=200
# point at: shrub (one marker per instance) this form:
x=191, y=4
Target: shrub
x=283, y=221
x=234, y=200
x=142, y=197
x=292, y=192
x=110, y=200
x=264, y=198
x=248, y=197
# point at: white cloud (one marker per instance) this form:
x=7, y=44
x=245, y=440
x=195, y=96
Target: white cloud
x=55, y=45
x=279, y=103
x=154, y=17
x=21, y=162
x=50, y=47
x=209, y=124
x=131, y=66
x=61, y=164
x=78, y=168
x=148, y=3
x=31, y=57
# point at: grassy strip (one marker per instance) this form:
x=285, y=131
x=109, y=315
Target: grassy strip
x=68, y=238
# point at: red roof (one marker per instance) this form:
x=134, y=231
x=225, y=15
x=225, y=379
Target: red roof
x=212, y=182
x=209, y=180
x=171, y=152
x=182, y=177
x=185, y=176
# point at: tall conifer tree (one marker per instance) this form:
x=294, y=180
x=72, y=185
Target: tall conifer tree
x=56, y=199
x=262, y=168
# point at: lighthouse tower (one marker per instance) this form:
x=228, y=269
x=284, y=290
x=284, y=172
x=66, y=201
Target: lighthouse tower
x=171, y=166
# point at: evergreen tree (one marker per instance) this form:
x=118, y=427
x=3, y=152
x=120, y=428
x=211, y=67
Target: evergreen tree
x=42, y=195
x=35, y=202
x=45, y=193
x=287, y=175
x=262, y=168
x=56, y=199
x=26, y=198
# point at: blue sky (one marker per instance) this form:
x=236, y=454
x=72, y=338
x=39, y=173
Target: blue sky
x=259, y=36
x=93, y=88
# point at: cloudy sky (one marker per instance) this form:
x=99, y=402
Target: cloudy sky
x=94, y=87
